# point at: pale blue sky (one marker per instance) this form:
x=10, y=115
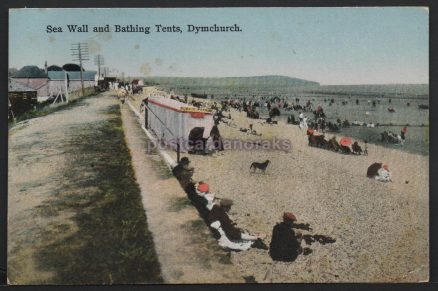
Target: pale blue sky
x=327, y=45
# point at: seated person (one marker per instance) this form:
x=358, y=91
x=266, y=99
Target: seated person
x=196, y=194
x=334, y=143
x=356, y=148
x=183, y=172
x=285, y=244
x=383, y=174
x=218, y=212
x=379, y=172
x=291, y=119
x=225, y=242
x=345, y=149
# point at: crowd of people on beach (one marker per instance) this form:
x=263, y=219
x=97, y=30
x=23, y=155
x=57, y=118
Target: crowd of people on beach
x=286, y=244
x=254, y=106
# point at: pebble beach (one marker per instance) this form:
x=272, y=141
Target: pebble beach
x=381, y=229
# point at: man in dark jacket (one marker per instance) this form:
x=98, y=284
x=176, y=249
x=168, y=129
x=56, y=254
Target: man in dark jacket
x=183, y=172
x=285, y=245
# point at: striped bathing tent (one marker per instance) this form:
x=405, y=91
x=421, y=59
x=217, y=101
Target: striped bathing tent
x=174, y=122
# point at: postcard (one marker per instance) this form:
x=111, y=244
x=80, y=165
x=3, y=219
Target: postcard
x=218, y=145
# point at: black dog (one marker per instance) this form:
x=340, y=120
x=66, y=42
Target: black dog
x=260, y=166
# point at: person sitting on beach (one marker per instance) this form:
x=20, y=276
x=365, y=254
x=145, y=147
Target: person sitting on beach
x=199, y=200
x=183, y=172
x=379, y=172
x=393, y=138
x=218, y=212
x=402, y=137
x=285, y=244
x=383, y=174
x=345, y=123
x=225, y=242
x=291, y=119
x=333, y=144
x=345, y=149
x=303, y=121
x=356, y=148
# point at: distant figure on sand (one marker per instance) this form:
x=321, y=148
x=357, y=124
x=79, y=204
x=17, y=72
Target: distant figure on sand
x=356, y=148
x=379, y=172
x=402, y=137
x=285, y=244
x=303, y=120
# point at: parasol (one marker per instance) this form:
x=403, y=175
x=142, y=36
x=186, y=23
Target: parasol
x=345, y=141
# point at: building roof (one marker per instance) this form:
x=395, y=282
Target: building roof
x=54, y=68
x=15, y=86
x=30, y=72
x=60, y=75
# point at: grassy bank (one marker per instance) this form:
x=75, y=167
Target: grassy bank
x=106, y=239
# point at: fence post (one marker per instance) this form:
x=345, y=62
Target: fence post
x=177, y=151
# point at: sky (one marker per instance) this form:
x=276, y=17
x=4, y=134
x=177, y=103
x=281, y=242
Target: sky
x=332, y=46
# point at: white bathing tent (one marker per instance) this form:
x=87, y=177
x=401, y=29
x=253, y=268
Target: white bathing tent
x=172, y=121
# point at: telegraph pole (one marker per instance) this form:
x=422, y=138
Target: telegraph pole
x=79, y=52
x=99, y=61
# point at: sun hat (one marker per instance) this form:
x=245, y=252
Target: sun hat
x=289, y=216
x=203, y=187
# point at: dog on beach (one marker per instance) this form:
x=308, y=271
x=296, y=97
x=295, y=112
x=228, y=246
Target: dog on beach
x=260, y=166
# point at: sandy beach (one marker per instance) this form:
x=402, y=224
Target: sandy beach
x=381, y=229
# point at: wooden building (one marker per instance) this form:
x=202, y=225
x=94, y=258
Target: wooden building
x=21, y=98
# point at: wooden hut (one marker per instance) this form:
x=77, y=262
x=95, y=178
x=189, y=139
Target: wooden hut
x=21, y=97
